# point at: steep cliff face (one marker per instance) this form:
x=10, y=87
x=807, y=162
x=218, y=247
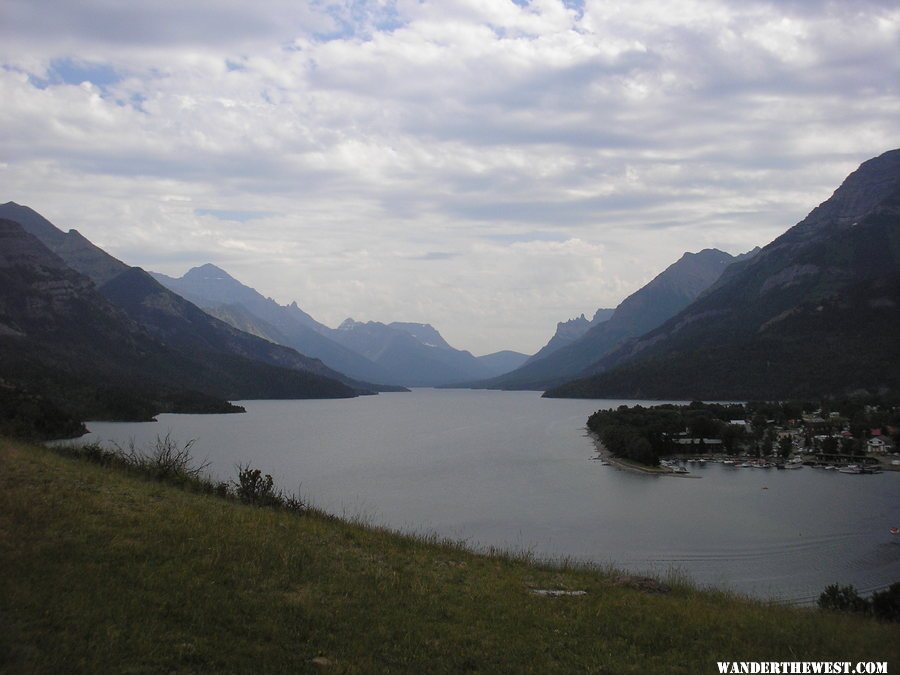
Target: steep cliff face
x=668, y=293
x=813, y=313
x=569, y=331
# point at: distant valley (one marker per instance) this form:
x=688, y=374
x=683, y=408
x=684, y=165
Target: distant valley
x=398, y=353
x=814, y=313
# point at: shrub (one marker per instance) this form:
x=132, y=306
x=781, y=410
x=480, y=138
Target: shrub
x=294, y=503
x=842, y=599
x=166, y=459
x=886, y=604
x=255, y=488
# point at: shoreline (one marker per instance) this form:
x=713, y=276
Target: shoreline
x=604, y=454
x=216, y=584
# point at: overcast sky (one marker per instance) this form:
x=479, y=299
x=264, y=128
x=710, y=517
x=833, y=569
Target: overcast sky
x=488, y=166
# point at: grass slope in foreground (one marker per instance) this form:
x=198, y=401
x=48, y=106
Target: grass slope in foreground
x=108, y=571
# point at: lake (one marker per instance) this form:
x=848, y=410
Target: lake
x=513, y=470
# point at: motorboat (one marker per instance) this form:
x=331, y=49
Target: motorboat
x=853, y=468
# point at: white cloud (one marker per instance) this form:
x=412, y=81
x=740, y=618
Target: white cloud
x=488, y=167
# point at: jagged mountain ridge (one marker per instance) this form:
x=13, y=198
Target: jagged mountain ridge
x=814, y=313
x=669, y=292
x=221, y=295
x=398, y=354
x=569, y=331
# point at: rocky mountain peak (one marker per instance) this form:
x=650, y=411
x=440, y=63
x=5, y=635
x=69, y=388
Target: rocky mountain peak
x=861, y=192
x=207, y=272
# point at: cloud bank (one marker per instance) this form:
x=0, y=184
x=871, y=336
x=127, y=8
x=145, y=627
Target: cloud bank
x=491, y=167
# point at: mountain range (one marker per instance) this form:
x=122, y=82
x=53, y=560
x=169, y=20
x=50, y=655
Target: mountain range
x=399, y=353
x=221, y=295
x=62, y=339
x=579, y=344
x=85, y=333
x=816, y=312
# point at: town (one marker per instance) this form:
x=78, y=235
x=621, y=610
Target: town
x=850, y=436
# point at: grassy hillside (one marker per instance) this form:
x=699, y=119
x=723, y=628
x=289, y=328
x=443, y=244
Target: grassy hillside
x=108, y=571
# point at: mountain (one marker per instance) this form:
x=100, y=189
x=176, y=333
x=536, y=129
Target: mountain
x=211, y=286
x=396, y=355
x=185, y=327
x=502, y=362
x=668, y=293
x=409, y=360
x=77, y=252
x=814, y=313
x=61, y=340
x=569, y=331
x=423, y=332
x=223, y=296
x=180, y=323
x=163, y=313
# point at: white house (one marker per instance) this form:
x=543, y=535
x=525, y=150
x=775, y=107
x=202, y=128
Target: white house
x=878, y=446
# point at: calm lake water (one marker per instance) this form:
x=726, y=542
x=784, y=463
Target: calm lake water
x=511, y=469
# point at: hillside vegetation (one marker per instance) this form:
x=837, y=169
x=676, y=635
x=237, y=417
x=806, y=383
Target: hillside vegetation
x=108, y=571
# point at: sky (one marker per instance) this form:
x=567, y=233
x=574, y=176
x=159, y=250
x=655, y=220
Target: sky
x=487, y=166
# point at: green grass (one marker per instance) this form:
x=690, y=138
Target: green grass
x=105, y=570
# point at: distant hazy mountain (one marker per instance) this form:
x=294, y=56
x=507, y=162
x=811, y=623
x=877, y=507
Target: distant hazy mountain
x=814, y=313
x=164, y=314
x=423, y=332
x=671, y=291
x=503, y=361
x=395, y=355
x=61, y=339
x=184, y=326
x=223, y=296
x=211, y=286
x=569, y=331
x=408, y=359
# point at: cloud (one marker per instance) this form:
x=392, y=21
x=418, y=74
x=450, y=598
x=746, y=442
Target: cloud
x=435, y=255
x=239, y=216
x=553, y=156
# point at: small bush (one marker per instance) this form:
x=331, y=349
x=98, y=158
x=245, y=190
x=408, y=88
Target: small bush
x=221, y=489
x=294, y=503
x=166, y=460
x=252, y=487
x=886, y=604
x=94, y=452
x=842, y=599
